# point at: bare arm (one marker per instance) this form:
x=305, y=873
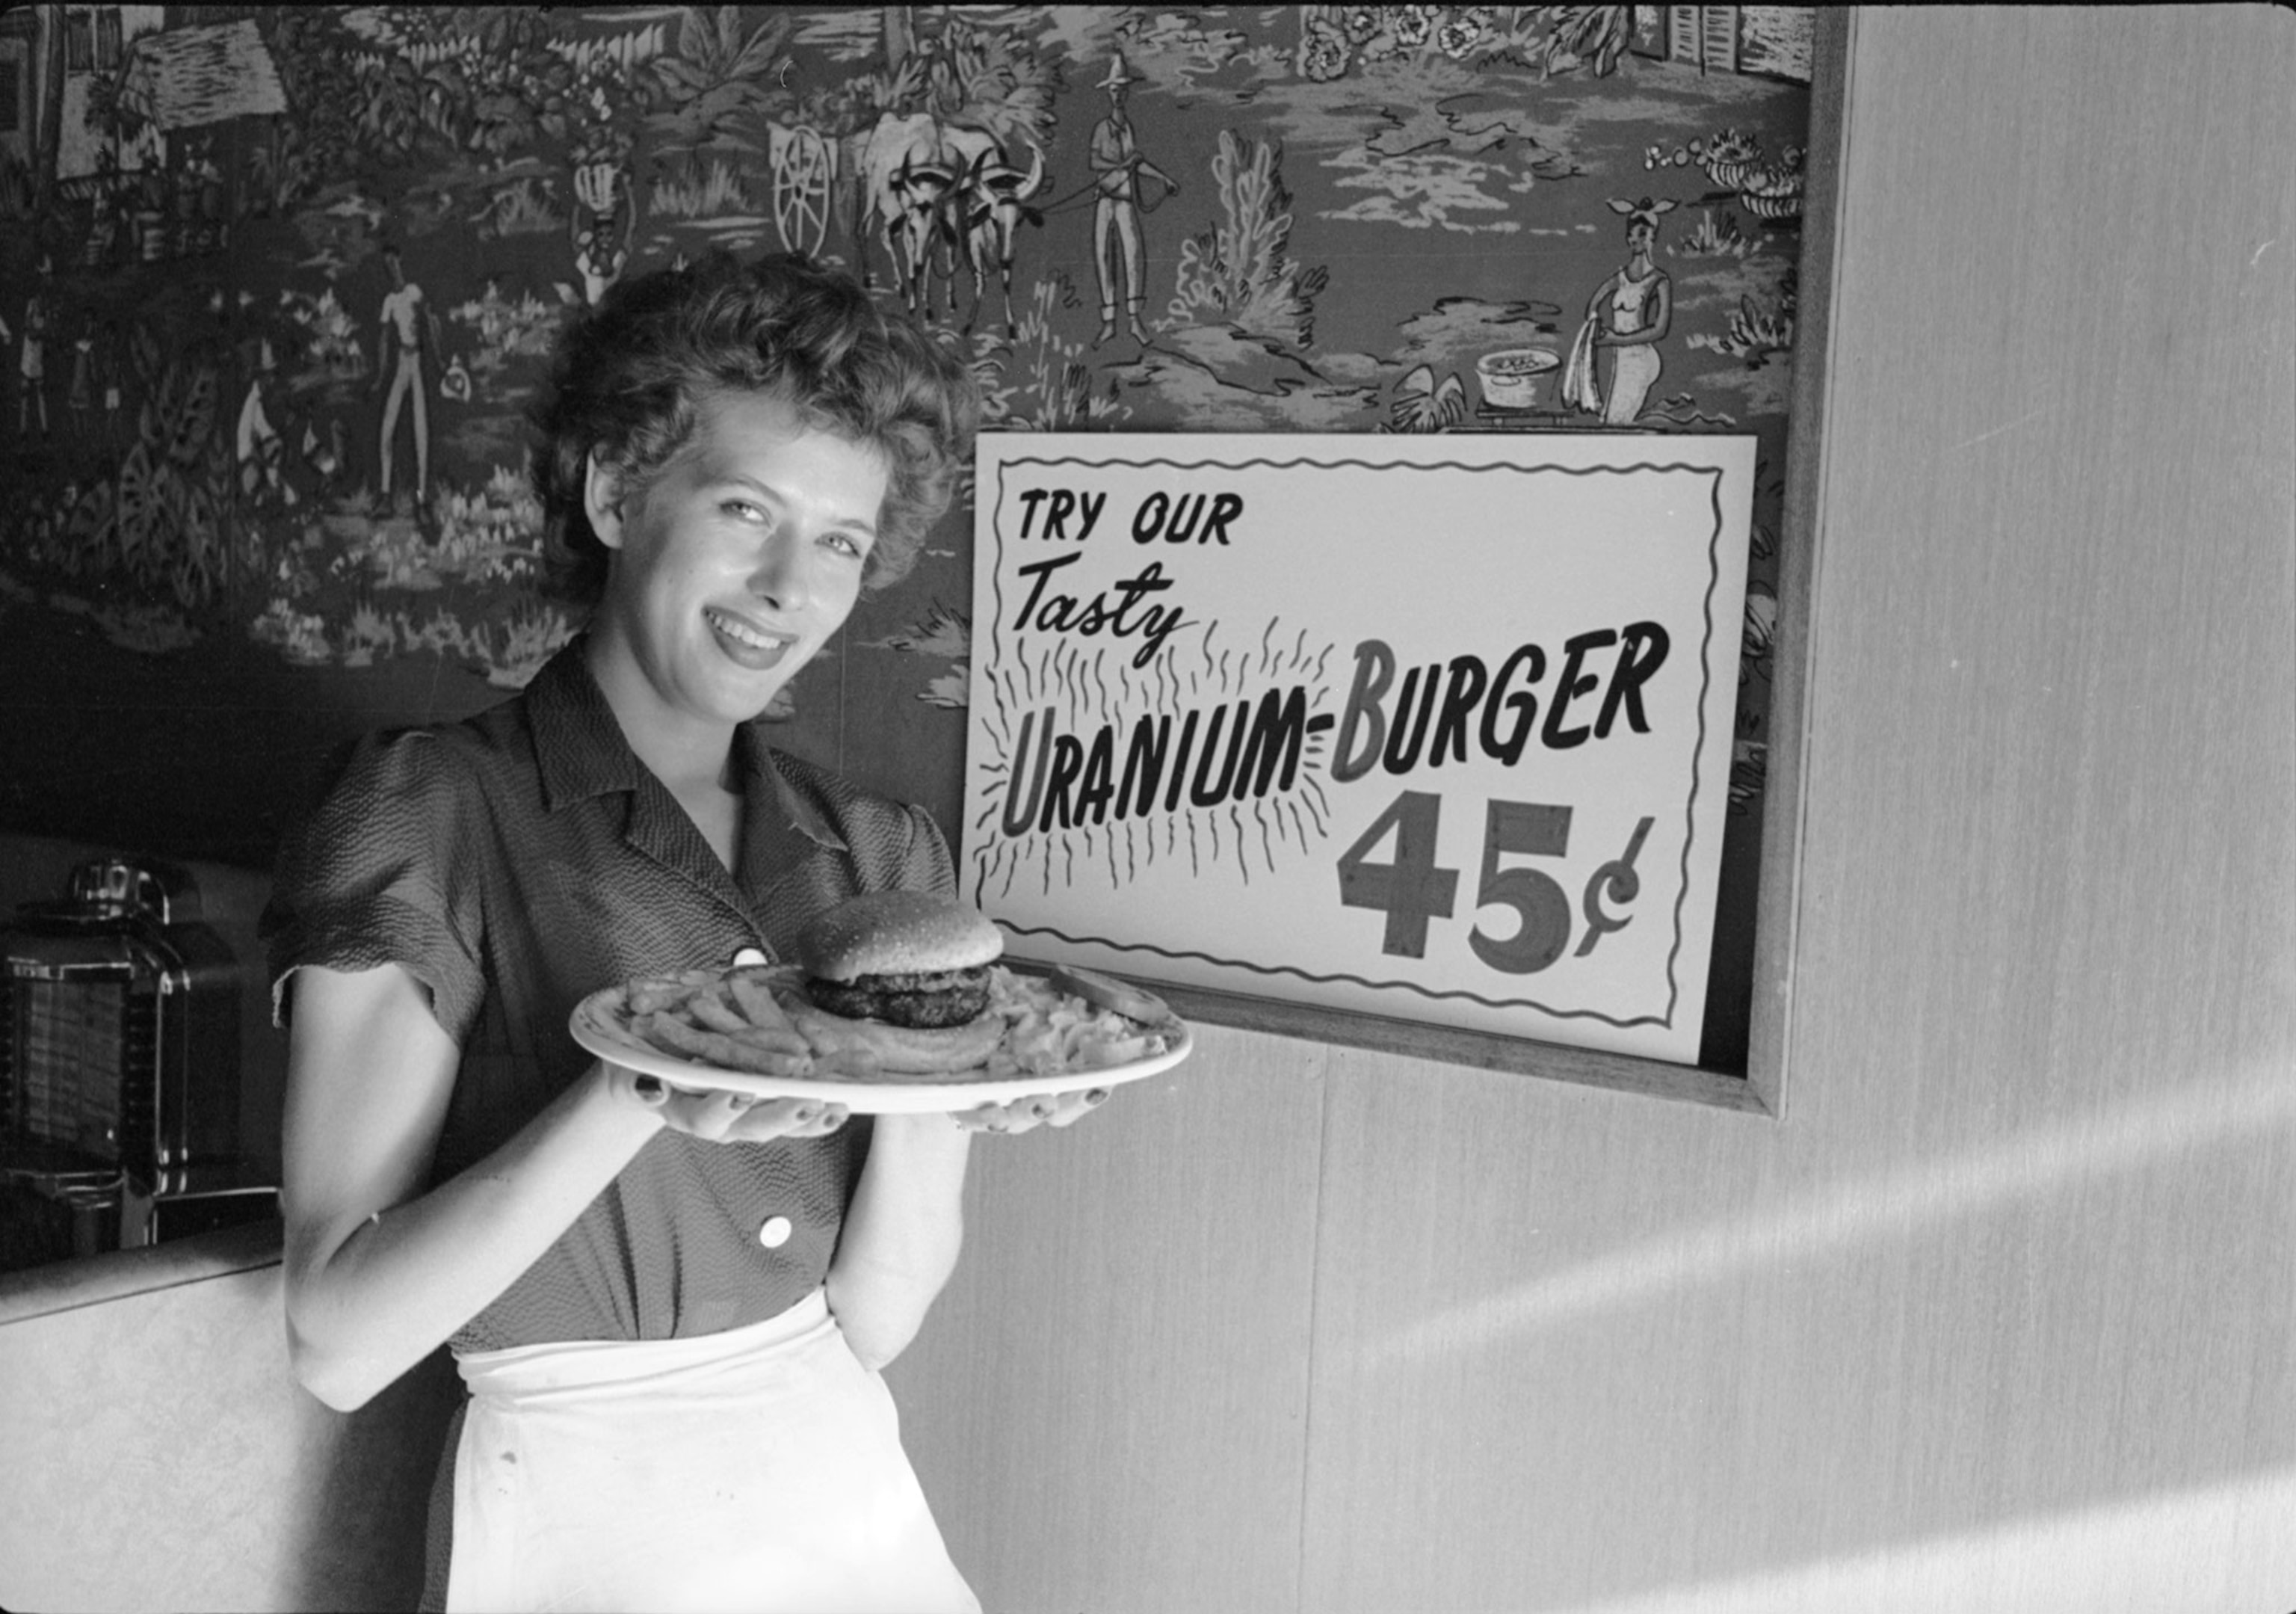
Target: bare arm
x=369, y=1075
x=378, y=1274
x=902, y=1234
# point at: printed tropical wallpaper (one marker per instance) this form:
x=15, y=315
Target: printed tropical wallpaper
x=277, y=286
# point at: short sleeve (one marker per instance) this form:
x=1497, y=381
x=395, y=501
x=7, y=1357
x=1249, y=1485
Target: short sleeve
x=383, y=871
x=929, y=866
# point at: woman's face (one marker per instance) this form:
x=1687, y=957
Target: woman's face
x=733, y=567
x=1639, y=236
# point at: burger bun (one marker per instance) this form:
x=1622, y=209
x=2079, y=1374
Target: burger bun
x=901, y=978
x=897, y=933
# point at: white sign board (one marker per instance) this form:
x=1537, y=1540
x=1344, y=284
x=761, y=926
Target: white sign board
x=1433, y=728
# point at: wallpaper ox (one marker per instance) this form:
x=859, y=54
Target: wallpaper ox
x=277, y=284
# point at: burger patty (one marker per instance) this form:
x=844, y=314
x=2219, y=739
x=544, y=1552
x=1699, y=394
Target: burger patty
x=920, y=1000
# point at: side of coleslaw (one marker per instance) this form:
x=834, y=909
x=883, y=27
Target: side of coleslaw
x=1049, y=1031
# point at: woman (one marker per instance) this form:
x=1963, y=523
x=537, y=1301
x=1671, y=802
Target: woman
x=1628, y=316
x=668, y=1308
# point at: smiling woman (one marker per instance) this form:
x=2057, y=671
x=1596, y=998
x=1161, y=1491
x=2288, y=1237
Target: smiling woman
x=732, y=454
x=729, y=569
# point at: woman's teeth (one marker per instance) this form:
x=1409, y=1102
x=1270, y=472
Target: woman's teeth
x=741, y=635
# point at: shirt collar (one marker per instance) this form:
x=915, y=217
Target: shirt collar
x=581, y=752
x=753, y=759
x=578, y=746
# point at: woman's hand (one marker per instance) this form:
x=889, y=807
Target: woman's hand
x=1025, y=1114
x=726, y=1117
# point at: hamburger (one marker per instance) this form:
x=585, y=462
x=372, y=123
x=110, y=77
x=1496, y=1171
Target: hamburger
x=901, y=978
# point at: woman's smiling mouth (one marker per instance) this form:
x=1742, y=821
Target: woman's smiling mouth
x=746, y=644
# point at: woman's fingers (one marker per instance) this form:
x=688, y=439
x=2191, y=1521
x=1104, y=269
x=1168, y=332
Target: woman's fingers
x=787, y=1118
x=1073, y=1107
x=722, y=1117
x=704, y=1114
x=1025, y=1114
x=729, y=1118
x=985, y=1118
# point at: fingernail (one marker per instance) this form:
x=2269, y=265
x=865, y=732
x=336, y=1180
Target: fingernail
x=1098, y=1095
x=648, y=1090
x=803, y=1113
x=1040, y=1109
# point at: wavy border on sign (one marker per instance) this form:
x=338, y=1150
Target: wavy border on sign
x=1715, y=476
x=1698, y=755
x=1293, y=970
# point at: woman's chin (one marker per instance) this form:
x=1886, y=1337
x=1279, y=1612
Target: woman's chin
x=750, y=699
x=746, y=694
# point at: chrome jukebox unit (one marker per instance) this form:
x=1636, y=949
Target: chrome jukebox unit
x=119, y=1056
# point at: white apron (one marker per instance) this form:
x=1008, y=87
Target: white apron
x=759, y=1471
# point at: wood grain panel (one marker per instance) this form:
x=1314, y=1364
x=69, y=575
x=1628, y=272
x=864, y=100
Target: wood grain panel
x=2018, y=1255
x=1108, y=1406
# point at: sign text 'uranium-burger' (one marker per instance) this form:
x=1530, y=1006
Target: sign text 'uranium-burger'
x=1240, y=750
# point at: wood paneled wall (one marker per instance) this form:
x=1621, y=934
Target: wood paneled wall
x=2000, y=1315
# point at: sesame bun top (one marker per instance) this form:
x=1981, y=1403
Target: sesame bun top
x=897, y=932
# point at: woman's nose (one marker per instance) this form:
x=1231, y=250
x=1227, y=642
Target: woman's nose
x=783, y=576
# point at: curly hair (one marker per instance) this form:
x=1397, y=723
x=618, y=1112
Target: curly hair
x=629, y=374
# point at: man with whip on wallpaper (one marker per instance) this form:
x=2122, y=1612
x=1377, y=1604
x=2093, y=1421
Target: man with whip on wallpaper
x=1117, y=165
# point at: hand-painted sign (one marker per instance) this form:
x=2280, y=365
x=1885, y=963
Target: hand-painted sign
x=1436, y=728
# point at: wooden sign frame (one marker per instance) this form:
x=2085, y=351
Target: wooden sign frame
x=1761, y=1089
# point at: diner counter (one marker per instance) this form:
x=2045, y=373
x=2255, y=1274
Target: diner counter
x=161, y=1456
x=63, y=1286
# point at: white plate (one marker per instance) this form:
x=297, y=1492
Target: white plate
x=598, y=1025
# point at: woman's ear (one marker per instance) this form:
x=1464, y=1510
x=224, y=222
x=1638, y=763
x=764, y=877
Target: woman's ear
x=602, y=499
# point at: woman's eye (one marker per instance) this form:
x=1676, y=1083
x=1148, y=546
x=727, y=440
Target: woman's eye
x=845, y=543
x=743, y=510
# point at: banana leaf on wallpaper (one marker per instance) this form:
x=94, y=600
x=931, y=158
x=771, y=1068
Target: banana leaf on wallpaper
x=278, y=285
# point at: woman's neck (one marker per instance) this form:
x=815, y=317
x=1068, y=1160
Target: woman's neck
x=689, y=754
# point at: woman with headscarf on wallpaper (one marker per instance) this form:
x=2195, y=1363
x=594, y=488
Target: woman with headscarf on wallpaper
x=668, y=1308
x=1628, y=314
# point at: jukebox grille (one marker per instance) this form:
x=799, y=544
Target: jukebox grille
x=79, y=1056
x=117, y=1035
x=119, y=1064
x=73, y=1048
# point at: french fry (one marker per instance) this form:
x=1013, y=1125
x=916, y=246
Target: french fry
x=771, y=1040
x=651, y=997
x=850, y=1065
x=827, y=1035
x=755, y=1000
x=710, y=1011
x=675, y=1037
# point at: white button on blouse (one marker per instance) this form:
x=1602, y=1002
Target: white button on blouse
x=748, y=956
x=775, y=1233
